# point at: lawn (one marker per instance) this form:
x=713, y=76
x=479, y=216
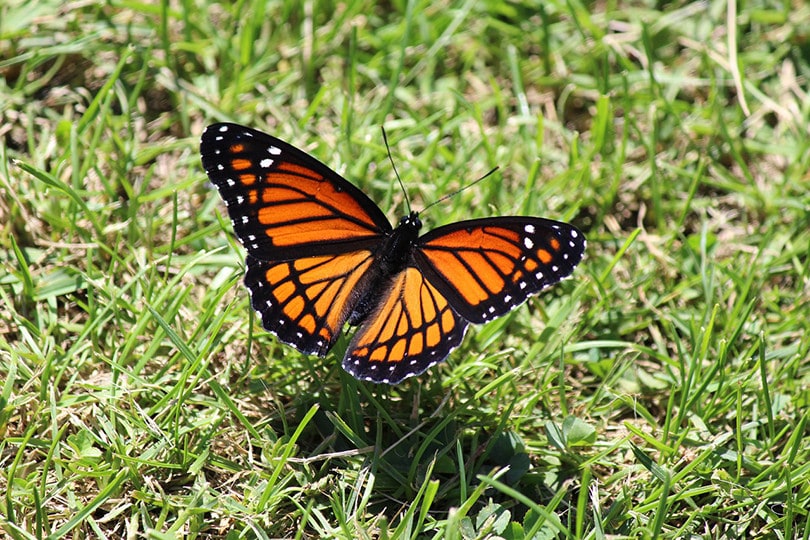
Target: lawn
x=660, y=392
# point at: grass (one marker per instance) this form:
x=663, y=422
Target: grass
x=660, y=393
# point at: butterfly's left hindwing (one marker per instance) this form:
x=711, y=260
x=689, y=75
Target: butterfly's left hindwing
x=305, y=302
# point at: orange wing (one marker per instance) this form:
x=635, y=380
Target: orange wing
x=306, y=302
x=486, y=267
x=283, y=203
x=471, y=271
x=412, y=328
x=310, y=234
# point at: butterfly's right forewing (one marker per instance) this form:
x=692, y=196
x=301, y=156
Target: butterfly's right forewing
x=487, y=267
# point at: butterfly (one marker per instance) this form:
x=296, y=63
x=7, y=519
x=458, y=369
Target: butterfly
x=321, y=254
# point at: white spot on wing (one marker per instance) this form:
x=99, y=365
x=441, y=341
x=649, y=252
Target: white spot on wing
x=265, y=163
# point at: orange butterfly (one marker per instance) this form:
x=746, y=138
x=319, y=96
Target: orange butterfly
x=320, y=254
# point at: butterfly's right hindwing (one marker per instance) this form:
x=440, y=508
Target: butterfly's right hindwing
x=412, y=328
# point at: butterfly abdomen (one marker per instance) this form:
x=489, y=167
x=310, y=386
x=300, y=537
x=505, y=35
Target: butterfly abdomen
x=393, y=255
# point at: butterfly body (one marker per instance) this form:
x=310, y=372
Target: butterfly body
x=393, y=254
x=321, y=254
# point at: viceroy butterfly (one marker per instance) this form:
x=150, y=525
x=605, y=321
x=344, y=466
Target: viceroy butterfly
x=320, y=254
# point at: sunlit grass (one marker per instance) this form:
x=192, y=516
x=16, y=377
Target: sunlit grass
x=659, y=393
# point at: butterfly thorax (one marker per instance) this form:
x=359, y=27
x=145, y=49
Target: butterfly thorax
x=393, y=256
x=396, y=250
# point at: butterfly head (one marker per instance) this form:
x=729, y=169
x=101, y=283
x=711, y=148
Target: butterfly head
x=411, y=221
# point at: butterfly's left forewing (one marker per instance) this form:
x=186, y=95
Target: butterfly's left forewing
x=285, y=204
x=310, y=234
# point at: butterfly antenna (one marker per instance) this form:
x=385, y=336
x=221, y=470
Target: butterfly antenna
x=456, y=192
x=391, y=159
